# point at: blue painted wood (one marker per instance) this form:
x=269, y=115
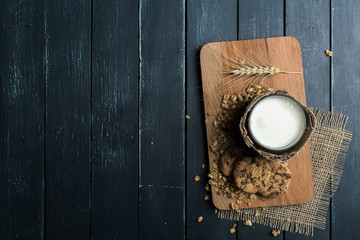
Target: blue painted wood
x=311, y=26
x=65, y=29
x=259, y=19
x=115, y=120
x=207, y=21
x=21, y=120
x=345, y=100
x=162, y=120
x=68, y=122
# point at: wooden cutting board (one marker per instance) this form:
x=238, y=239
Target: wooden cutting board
x=281, y=52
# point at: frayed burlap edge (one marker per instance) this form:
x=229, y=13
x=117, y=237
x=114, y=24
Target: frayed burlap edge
x=329, y=144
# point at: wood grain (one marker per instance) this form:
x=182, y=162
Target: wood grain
x=115, y=120
x=345, y=100
x=207, y=21
x=21, y=120
x=162, y=120
x=311, y=27
x=259, y=19
x=284, y=53
x=68, y=119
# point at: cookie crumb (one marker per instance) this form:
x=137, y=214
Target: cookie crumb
x=187, y=116
x=329, y=53
x=215, y=210
x=275, y=232
x=232, y=230
x=207, y=187
x=197, y=178
x=257, y=213
x=151, y=143
x=234, y=225
x=207, y=197
x=206, y=121
x=203, y=165
x=249, y=204
x=199, y=219
x=247, y=223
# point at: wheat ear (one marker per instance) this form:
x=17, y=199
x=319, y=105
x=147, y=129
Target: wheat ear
x=255, y=71
x=243, y=67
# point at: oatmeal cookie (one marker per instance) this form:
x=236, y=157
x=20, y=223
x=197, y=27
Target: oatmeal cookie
x=279, y=180
x=252, y=174
x=228, y=160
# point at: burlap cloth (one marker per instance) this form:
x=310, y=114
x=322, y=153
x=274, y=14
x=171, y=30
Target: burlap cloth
x=329, y=144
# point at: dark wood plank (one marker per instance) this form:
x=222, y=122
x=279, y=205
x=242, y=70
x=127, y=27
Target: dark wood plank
x=115, y=120
x=68, y=79
x=207, y=21
x=311, y=26
x=162, y=120
x=345, y=100
x=21, y=120
x=259, y=19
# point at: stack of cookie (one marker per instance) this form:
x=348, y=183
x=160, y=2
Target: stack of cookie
x=255, y=174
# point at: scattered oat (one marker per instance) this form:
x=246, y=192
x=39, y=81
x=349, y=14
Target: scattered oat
x=207, y=187
x=223, y=138
x=234, y=225
x=207, y=197
x=206, y=121
x=215, y=123
x=197, y=178
x=215, y=210
x=151, y=143
x=238, y=201
x=257, y=213
x=199, y=219
x=275, y=232
x=329, y=53
x=234, y=206
x=247, y=223
x=249, y=204
x=246, y=212
x=252, y=196
x=203, y=165
x=288, y=219
x=187, y=116
x=232, y=230
x=263, y=208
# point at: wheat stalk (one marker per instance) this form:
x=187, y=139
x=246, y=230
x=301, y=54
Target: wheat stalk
x=257, y=71
x=243, y=67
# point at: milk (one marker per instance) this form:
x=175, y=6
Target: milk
x=276, y=122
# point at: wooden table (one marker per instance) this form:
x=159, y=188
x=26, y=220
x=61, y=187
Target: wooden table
x=94, y=140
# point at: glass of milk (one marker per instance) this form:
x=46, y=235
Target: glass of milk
x=277, y=122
